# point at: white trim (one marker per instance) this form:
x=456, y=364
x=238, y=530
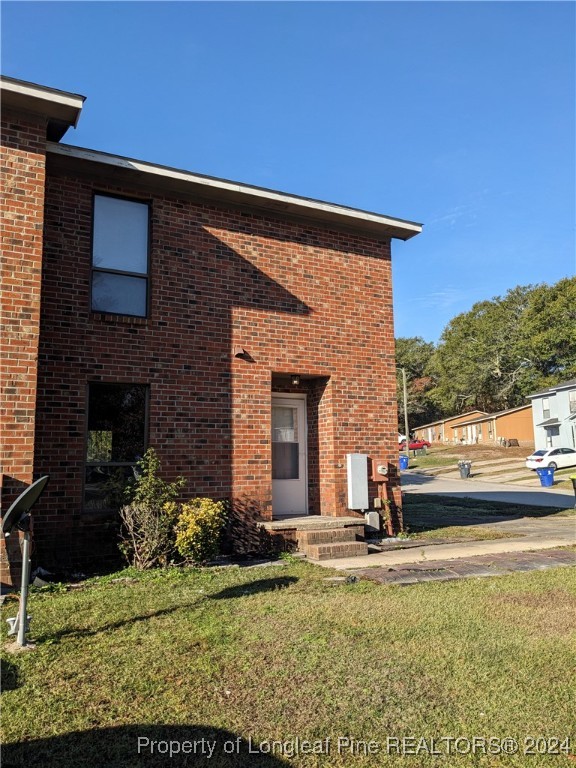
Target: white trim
x=61, y=106
x=34, y=91
x=278, y=398
x=246, y=194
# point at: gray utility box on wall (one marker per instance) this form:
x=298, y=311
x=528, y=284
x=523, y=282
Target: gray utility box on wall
x=357, y=470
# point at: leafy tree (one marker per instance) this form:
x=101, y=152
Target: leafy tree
x=481, y=361
x=503, y=349
x=549, y=333
x=414, y=355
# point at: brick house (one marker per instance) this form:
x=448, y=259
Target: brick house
x=246, y=334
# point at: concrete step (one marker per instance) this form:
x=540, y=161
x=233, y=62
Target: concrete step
x=334, y=550
x=330, y=536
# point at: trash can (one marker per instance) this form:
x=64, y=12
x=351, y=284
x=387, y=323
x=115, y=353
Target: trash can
x=404, y=462
x=546, y=475
x=573, y=479
x=464, y=467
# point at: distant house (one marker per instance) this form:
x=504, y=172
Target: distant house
x=512, y=424
x=444, y=430
x=554, y=416
x=481, y=427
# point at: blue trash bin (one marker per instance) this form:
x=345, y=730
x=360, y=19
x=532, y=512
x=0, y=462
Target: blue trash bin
x=546, y=475
x=404, y=462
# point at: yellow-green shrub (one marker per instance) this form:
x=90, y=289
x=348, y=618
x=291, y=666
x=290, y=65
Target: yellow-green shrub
x=199, y=527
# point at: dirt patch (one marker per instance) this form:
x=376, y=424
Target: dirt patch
x=480, y=452
x=547, y=615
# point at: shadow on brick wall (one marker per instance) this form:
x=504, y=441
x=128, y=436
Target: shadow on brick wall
x=183, y=351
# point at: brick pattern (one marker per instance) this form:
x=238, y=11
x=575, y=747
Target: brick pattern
x=332, y=543
x=22, y=163
x=296, y=297
x=22, y=214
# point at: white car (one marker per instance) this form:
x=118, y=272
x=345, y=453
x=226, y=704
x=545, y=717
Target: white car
x=553, y=458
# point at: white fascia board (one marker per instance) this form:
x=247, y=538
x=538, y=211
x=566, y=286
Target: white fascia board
x=38, y=98
x=214, y=188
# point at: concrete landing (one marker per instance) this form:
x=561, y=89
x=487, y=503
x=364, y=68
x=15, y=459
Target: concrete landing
x=310, y=523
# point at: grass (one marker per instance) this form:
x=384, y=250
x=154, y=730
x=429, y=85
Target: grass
x=447, y=533
x=429, y=517
x=440, y=510
x=277, y=653
x=432, y=460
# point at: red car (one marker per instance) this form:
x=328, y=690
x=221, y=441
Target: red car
x=414, y=445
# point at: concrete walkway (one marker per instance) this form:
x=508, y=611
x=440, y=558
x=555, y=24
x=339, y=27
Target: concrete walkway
x=415, y=482
x=526, y=533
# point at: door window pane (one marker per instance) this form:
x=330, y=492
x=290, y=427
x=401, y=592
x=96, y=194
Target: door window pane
x=285, y=449
x=285, y=461
x=284, y=425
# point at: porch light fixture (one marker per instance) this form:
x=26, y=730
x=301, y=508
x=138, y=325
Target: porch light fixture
x=295, y=378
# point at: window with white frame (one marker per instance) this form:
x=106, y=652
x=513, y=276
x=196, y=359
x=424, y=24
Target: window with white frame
x=572, y=400
x=546, y=407
x=120, y=256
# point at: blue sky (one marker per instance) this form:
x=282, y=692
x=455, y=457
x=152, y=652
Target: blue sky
x=459, y=115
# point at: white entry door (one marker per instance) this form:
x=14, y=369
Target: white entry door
x=289, y=456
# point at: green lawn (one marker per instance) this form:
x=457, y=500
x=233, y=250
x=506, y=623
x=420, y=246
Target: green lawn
x=432, y=460
x=277, y=653
x=440, y=510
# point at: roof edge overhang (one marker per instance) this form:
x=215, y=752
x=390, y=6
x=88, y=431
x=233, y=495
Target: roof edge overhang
x=61, y=108
x=449, y=418
x=209, y=188
x=553, y=390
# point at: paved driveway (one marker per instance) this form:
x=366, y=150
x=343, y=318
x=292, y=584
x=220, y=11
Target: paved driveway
x=525, y=533
x=415, y=482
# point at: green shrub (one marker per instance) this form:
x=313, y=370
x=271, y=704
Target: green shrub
x=148, y=537
x=199, y=528
x=148, y=487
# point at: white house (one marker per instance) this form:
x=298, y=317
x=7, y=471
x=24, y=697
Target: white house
x=554, y=416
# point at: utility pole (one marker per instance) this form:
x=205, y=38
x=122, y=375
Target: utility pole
x=405, y=393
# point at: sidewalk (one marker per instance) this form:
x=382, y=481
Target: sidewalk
x=415, y=482
x=533, y=535
x=529, y=534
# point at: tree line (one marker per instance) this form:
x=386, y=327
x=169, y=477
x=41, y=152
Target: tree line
x=491, y=357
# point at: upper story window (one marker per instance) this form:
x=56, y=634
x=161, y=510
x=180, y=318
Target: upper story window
x=545, y=407
x=120, y=256
x=572, y=400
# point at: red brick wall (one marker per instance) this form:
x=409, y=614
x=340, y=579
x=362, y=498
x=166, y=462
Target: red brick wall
x=22, y=211
x=298, y=299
